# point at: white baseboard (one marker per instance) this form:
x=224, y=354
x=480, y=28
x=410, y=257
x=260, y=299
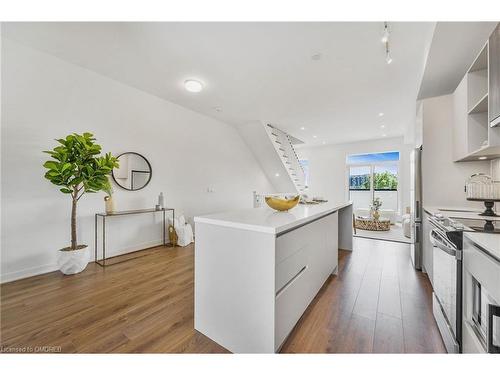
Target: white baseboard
x=39, y=270
x=27, y=272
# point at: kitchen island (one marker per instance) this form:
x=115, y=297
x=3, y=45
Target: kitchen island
x=257, y=270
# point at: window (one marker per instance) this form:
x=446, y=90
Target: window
x=373, y=176
x=305, y=167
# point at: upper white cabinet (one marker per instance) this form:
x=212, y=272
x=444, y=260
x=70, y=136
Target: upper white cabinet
x=473, y=137
x=494, y=77
x=460, y=120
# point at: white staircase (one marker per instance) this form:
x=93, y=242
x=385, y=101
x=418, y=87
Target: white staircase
x=284, y=148
x=274, y=150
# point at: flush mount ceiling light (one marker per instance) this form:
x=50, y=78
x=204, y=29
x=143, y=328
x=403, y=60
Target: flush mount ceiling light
x=315, y=136
x=302, y=128
x=380, y=114
x=482, y=157
x=316, y=57
x=385, y=34
x=277, y=174
x=193, y=85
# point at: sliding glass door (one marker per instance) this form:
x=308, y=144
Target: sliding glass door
x=385, y=185
x=373, y=176
x=360, y=187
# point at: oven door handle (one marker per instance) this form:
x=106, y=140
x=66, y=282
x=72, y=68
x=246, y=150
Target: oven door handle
x=441, y=243
x=493, y=311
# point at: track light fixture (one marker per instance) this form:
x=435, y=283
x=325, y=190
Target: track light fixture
x=385, y=34
x=388, y=58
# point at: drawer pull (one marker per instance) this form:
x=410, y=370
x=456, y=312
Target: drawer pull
x=279, y=292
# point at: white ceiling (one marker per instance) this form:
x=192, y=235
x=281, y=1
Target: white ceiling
x=454, y=47
x=258, y=71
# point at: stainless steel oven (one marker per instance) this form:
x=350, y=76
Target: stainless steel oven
x=485, y=312
x=447, y=283
x=481, y=297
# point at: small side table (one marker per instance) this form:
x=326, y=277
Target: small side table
x=102, y=263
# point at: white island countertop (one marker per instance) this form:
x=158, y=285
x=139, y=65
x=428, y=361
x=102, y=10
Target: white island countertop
x=490, y=242
x=267, y=220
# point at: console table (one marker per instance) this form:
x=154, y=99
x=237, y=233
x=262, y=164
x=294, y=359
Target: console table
x=102, y=263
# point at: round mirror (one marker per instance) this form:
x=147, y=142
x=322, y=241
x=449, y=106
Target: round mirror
x=134, y=172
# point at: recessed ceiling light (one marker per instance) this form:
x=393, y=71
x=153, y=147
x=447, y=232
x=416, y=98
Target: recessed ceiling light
x=302, y=128
x=277, y=174
x=382, y=126
x=315, y=136
x=482, y=157
x=324, y=142
x=380, y=114
x=193, y=85
x=384, y=135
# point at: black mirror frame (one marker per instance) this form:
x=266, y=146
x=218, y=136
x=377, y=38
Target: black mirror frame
x=147, y=162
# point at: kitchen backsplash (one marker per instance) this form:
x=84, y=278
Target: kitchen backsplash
x=495, y=169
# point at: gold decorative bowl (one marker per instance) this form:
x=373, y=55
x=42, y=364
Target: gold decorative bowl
x=281, y=204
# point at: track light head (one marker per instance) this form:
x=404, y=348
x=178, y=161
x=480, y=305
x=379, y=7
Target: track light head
x=385, y=34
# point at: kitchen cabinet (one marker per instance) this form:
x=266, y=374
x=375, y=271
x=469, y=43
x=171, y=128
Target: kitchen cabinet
x=256, y=271
x=460, y=120
x=481, y=293
x=475, y=100
x=494, y=77
x=427, y=246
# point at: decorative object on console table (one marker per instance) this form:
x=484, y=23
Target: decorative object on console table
x=78, y=169
x=481, y=187
x=109, y=202
x=161, y=200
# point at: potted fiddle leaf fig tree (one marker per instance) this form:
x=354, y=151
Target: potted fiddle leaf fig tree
x=78, y=167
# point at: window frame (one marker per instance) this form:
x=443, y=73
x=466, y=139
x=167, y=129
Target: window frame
x=372, y=190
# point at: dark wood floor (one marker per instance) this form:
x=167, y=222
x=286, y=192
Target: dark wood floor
x=378, y=303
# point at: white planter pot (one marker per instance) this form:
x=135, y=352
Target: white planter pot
x=73, y=261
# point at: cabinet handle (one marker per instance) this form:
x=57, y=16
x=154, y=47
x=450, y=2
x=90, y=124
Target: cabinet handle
x=279, y=292
x=493, y=311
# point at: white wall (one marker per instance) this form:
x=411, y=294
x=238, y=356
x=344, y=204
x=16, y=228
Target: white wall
x=46, y=98
x=444, y=180
x=327, y=167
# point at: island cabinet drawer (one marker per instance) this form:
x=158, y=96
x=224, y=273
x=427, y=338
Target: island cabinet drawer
x=291, y=302
x=290, y=267
x=295, y=240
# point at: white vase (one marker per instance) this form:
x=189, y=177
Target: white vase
x=73, y=261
